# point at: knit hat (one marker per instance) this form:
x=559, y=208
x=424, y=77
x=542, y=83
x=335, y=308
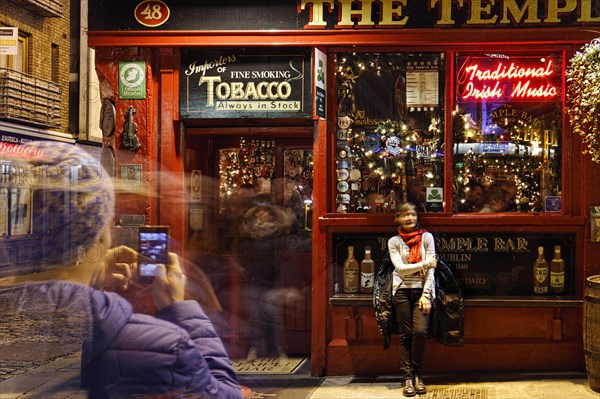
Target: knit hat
x=73, y=199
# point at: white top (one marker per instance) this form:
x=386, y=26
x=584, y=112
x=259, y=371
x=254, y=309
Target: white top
x=412, y=275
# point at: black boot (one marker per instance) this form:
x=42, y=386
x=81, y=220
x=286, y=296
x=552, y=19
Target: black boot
x=420, y=387
x=409, y=388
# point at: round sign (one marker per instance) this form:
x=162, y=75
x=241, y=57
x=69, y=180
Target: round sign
x=342, y=186
x=342, y=174
x=393, y=145
x=372, y=143
x=152, y=13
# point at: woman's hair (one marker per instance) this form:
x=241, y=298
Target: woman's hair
x=72, y=199
x=406, y=207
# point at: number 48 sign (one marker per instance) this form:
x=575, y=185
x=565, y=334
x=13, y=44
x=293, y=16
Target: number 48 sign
x=152, y=13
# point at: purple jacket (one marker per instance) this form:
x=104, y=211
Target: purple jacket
x=126, y=354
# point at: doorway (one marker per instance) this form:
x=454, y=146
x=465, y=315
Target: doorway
x=254, y=240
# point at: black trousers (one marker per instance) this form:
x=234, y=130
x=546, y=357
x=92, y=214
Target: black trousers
x=413, y=330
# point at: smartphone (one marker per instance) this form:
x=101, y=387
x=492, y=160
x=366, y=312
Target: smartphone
x=153, y=245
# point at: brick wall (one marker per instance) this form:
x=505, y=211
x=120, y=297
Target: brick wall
x=42, y=33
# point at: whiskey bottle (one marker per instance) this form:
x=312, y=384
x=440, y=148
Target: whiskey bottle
x=367, y=273
x=351, y=280
x=557, y=273
x=540, y=273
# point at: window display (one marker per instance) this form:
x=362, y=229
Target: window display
x=507, y=133
x=389, y=131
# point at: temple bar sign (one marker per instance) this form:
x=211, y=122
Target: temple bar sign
x=298, y=15
x=238, y=84
x=484, y=264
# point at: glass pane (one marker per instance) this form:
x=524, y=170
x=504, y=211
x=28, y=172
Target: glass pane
x=389, y=131
x=507, y=133
x=297, y=187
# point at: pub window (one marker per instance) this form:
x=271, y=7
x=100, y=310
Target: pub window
x=389, y=131
x=507, y=133
x=20, y=61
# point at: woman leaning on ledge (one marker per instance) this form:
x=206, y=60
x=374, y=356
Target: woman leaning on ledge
x=412, y=252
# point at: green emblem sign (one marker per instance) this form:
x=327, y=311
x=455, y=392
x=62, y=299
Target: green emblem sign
x=132, y=80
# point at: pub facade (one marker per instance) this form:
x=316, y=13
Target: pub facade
x=340, y=111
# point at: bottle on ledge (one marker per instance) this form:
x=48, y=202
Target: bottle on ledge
x=540, y=273
x=557, y=273
x=367, y=273
x=351, y=279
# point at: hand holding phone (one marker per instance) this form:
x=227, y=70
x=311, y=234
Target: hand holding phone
x=169, y=286
x=154, y=250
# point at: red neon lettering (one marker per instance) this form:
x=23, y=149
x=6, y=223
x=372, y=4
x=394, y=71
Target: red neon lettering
x=483, y=93
x=522, y=90
x=508, y=72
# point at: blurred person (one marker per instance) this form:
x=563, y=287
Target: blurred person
x=237, y=206
x=124, y=354
x=261, y=228
x=474, y=200
x=511, y=188
x=412, y=252
x=496, y=200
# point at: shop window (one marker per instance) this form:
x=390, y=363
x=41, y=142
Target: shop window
x=389, y=130
x=20, y=61
x=507, y=133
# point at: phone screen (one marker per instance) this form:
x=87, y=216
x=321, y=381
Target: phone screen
x=154, y=247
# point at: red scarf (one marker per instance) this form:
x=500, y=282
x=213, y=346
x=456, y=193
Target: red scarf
x=413, y=240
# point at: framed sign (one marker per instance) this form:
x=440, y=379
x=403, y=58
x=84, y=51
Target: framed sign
x=245, y=83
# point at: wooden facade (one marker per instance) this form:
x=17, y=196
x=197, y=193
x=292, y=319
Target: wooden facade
x=502, y=333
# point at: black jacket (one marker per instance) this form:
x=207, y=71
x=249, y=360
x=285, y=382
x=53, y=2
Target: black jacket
x=448, y=308
x=382, y=300
x=447, y=326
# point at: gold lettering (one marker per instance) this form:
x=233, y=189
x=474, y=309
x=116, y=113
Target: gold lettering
x=553, y=9
x=391, y=13
x=522, y=245
x=210, y=90
x=317, y=12
x=444, y=10
x=586, y=12
x=478, y=13
x=363, y=13
x=530, y=8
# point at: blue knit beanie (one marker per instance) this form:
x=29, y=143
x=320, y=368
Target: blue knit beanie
x=73, y=200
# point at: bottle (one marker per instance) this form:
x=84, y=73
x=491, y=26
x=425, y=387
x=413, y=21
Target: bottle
x=392, y=204
x=540, y=273
x=557, y=273
x=367, y=273
x=351, y=273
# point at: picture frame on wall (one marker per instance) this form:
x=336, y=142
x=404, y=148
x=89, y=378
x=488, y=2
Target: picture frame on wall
x=131, y=175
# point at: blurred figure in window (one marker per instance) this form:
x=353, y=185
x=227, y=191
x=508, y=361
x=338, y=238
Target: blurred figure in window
x=475, y=198
x=496, y=200
x=511, y=188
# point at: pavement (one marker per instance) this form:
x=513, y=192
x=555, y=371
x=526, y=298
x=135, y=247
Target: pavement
x=59, y=379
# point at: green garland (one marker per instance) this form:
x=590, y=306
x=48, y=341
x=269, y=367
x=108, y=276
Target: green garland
x=583, y=96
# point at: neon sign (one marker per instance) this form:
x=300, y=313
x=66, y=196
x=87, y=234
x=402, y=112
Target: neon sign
x=481, y=79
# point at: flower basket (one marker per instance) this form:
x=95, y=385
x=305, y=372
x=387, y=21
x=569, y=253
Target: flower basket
x=583, y=96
